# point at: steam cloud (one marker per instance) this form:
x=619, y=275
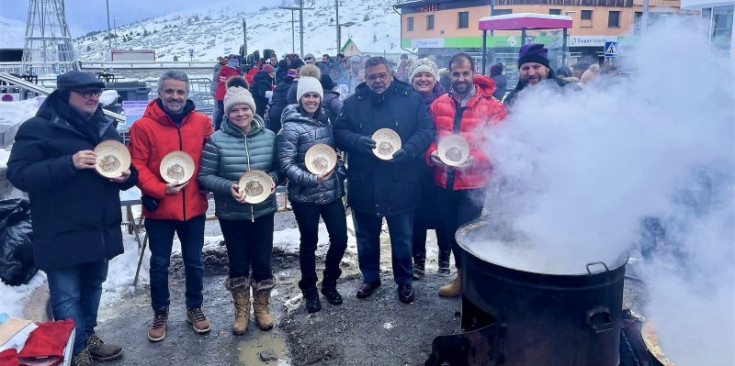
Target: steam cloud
x=577, y=173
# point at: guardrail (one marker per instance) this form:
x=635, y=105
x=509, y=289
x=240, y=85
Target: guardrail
x=147, y=65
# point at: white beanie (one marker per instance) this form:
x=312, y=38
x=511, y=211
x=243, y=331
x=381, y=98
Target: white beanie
x=238, y=95
x=424, y=65
x=308, y=84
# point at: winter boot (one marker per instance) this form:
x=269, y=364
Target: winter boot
x=82, y=359
x=240, y=289
x=157, y=331
x=419, y=264
x=101, y=351
x=329, y=287
x=453, y=289
x=444, y=262
x=261, y=301
x=198, y=321
x=311, y=297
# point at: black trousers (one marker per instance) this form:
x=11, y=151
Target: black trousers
x=249, y=245
x=456, y=209
x=307, y=217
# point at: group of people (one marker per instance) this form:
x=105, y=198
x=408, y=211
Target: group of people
x=76, y=212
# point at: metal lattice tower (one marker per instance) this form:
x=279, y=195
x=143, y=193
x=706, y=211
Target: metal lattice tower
x=48, y=47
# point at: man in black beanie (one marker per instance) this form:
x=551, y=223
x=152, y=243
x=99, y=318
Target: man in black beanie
x=533, y=69
x=76, y=212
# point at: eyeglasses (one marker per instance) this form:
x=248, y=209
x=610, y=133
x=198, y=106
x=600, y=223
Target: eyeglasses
x=87, y=93
x=381, y=76
x=308, y=59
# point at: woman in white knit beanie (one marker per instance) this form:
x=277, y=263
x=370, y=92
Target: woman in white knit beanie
x=243, y=144
x=313, y=195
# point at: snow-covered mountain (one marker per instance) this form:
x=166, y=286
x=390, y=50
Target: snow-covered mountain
x=13, y=33
x=213, y=31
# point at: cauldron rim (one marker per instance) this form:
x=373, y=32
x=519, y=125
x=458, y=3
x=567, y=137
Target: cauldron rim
x=464, y=230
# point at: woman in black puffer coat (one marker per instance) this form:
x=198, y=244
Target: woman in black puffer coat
x=312, y=196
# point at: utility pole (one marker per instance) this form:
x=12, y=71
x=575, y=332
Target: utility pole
x=301, y=9
x=301, y=26
x=109, y=33
x=339, y=35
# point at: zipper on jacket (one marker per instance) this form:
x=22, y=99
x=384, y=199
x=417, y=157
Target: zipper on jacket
x=181, y=148
x=456, y=127
x=247, y=154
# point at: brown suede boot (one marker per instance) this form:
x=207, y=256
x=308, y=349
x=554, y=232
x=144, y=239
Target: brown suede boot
x=240, y=289
x=453, y=289
x=261, y=301
x=157, y=330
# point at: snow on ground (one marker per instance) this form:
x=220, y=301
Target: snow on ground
x=4, y=155
x=14, y=298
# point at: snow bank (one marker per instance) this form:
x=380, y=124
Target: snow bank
x=14, y=298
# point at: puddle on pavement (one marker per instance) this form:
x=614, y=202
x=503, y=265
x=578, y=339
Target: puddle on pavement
x=250, y=350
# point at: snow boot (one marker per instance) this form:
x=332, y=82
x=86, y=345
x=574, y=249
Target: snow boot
x=240, y=289
x=453, y=289
x=261, y=301
x=101, y=351
x=329, y=288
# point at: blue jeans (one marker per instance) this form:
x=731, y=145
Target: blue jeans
x=75, y=294
x=161, y=237
x=367, y=230
x=457, y=209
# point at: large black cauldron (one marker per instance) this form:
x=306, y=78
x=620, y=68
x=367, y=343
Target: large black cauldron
x=540, y=319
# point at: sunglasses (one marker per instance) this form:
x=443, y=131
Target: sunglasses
x=87, y=93
x=308, y=59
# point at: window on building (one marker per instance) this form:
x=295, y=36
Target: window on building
x=463, y=20
x=502, y=11
x=586, y=15
x=409, y=24
x=430, y=22
x=722, y=19
x=555, y=11
x=613, y=19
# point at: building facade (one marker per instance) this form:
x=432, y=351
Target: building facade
x=716, y=21
x=443, y=27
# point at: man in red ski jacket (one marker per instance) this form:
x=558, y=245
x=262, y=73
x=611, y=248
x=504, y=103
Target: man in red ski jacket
x=171, y=123
x=469, y=110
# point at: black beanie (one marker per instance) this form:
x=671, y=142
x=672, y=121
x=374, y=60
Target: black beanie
x=533, y=52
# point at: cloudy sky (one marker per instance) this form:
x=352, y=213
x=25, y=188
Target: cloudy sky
x=84, y=16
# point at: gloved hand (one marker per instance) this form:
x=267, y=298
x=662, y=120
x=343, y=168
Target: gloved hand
x=365, y=144
x=399, y=156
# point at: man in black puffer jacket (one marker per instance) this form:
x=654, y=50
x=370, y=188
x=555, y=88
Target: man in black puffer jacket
x=379, y=188
x=75, y=211
x=278, y=102
x=262, y=88
x=332, y=104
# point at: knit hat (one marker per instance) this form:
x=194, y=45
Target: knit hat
x=424, y=65
x=292, y=73
x=308, y=84
x=355, y=59
x=268, y=68
x=233, y=62
x=238, y=95
x=77, y=79
x=533, y=52
x=310, y=70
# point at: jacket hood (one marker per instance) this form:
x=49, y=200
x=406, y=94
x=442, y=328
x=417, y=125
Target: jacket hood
x=485, y=85
x=292, y=114
x=156, y=113
x=256, y=126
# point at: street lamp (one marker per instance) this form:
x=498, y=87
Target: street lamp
x=339, y=33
